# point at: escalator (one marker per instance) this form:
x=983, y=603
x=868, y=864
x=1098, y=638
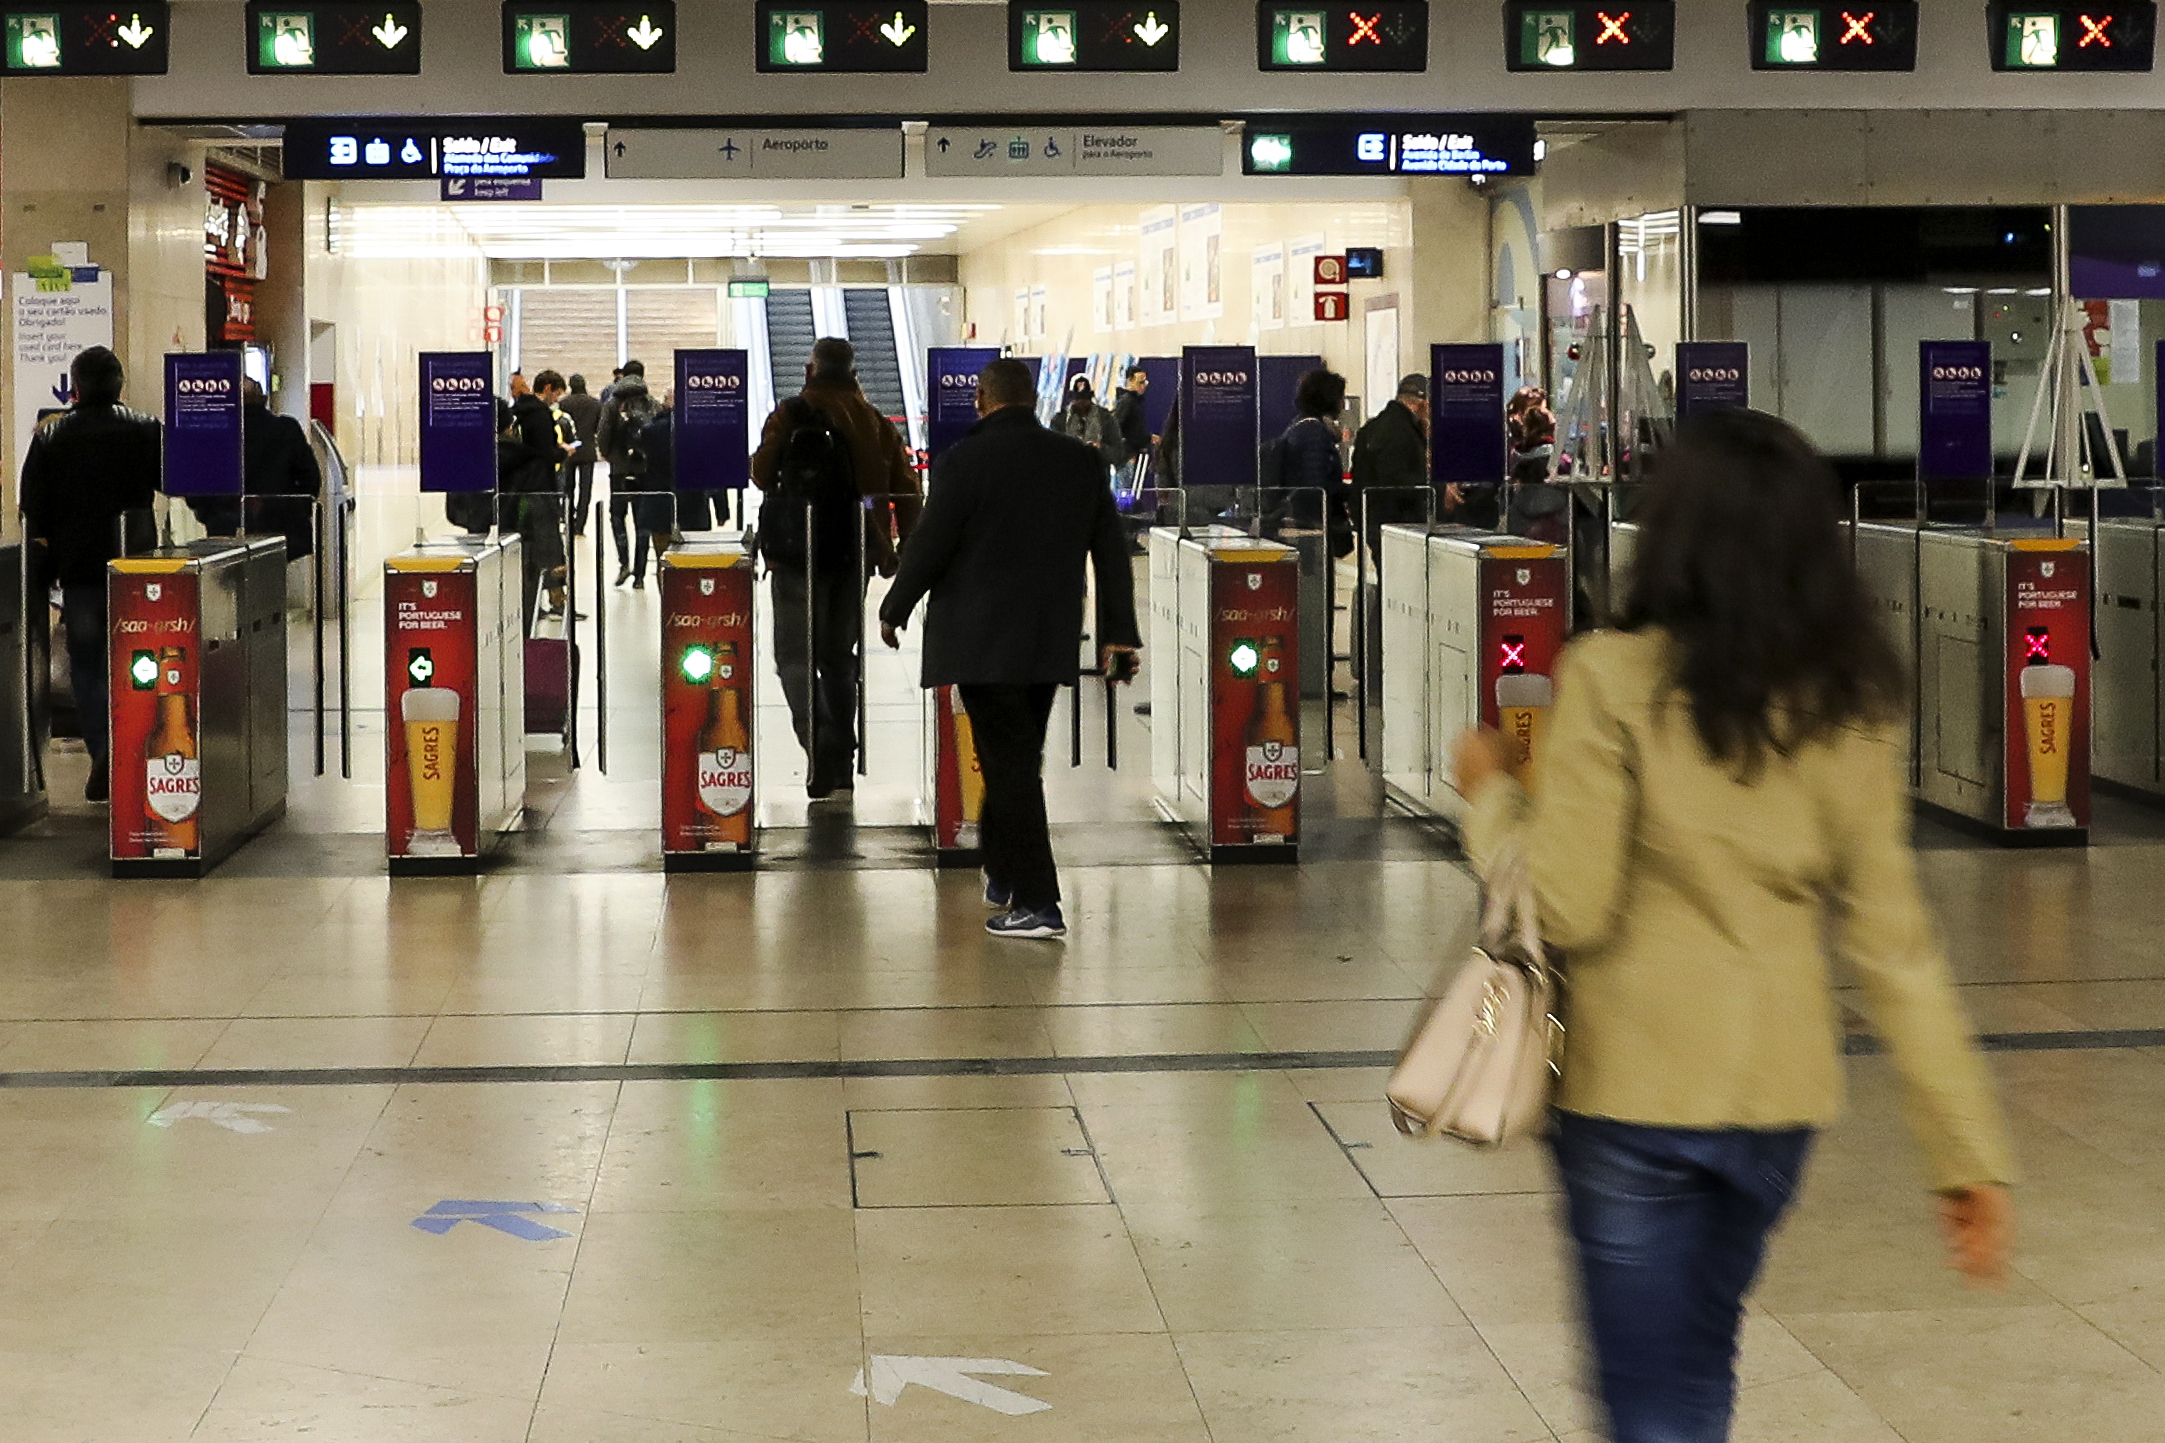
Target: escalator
x=872, y=332
x=790, y=334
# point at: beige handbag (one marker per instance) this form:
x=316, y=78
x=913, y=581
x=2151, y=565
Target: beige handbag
x=1481, y=1064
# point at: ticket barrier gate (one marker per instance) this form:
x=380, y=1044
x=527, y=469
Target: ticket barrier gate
x=196, y=675
x=2127, y=735
x=23, y=661
x=454, y=702
x=708, y=756
x=1472, y=626
x=1225, y=691
x=953, y=798
x=1995, y=627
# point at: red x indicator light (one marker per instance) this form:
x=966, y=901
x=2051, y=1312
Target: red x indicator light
x=1857, y=29
x=1612, y=28
x=1514, y=654
x=1364, y=27
x=2037, y=644
x=2093, y=32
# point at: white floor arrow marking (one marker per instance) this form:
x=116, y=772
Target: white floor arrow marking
x=232, y=1116
x=890, y=1375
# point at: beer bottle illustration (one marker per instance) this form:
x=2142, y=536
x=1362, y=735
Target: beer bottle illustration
x=431, y=718
x=172, y=769
x=969, y=774
x=1270, y=762
x=1523, y=700
x=724, y=768
x=2048, y=715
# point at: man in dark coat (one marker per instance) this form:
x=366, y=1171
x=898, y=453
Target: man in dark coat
x=1390, y=460
x=528, y=460
x=585, y=413
x=279, y=474
x=90, y=472
x=1013, y=511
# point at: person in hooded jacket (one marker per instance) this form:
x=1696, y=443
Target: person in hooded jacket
x=629, y=407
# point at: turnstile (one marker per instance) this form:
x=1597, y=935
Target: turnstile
x=22, y=659
x=196, y=675
x=706, y=709
x=1225, y=690
x=2127, y=735
x=1472, y=626
x=454, y=702
x=1995, y=627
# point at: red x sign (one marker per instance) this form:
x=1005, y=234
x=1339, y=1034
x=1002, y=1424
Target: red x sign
x=2093, y=32
x=1364, y=27
x=1612, y=28
x=2037, y=645
x=1514, y=654
x=1857, y=27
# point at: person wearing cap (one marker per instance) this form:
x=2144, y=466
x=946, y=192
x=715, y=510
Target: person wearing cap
x=1390, y=460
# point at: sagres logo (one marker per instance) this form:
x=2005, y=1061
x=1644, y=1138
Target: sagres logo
x=1255, y=581
x=428, y=589
x=1525, y=575
x=153, y=591
x=2045, y=569
x=706, y=586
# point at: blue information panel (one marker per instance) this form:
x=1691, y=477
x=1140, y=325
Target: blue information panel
x=713, y=424
x=1712, y=376
x=1465, y=407
x=1954, y=423
x=951, y=386
x=1218, y=418
x=458, y=421
x=203, y=424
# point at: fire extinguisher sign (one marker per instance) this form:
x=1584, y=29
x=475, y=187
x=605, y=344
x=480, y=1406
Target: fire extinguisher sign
x=151, y=660
x=707, y=769
x=1255, y=702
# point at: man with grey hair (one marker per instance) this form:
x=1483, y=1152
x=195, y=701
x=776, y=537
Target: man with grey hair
x=1014, y=511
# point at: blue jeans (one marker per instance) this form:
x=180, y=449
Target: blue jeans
x=82, y=613
x=1671, y=1225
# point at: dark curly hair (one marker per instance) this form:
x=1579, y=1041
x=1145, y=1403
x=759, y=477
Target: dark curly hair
x=1741, y=560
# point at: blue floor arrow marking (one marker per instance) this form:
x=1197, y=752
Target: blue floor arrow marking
x=505, y=1217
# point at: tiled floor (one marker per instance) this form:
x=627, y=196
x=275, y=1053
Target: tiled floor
x=1223, y=1243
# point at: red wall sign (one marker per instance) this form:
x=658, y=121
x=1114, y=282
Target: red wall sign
x=1255, y=703
x=1330, y=270
x=2048, y=685
x=1522, y=630
x=707, y=761
x=432, y=790
x=152, y=657
x=1333, y=306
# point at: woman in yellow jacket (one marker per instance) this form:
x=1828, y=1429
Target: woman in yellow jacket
x=1720, y=792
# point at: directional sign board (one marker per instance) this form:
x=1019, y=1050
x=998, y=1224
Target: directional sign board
x=1392, y=144
x=376, y=147
x=1057, y=150
x=491, y=187
x=740, y=154
x=85, y=39
x=2026, y=36
x=590, y=37
x=1094, y=35
x=794, y=36
x=334, y=37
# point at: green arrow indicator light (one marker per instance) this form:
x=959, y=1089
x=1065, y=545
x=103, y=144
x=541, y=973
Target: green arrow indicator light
x=698, y=664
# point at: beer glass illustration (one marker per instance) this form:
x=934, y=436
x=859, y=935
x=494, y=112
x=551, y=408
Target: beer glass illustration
x=431, y=715
x=2048, y=715
x=1522, y=708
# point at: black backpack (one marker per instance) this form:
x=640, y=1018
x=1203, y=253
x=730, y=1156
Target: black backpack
x=813, y=468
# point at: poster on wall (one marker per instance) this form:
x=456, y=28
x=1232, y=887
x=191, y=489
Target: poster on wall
x=1040, y=303
x=1300, y=270
x=1202, y=272
x=1101, y=300
x=1019, y=328
x=1267, y=287
x=1161, y=265
x=60, y=310
x=1382, y=355
x=1124, y=295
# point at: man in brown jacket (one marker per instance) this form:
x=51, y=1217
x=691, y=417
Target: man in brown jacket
x=818, y=592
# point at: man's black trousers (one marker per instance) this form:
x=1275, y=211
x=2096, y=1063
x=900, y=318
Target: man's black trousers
x=1008, y=723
